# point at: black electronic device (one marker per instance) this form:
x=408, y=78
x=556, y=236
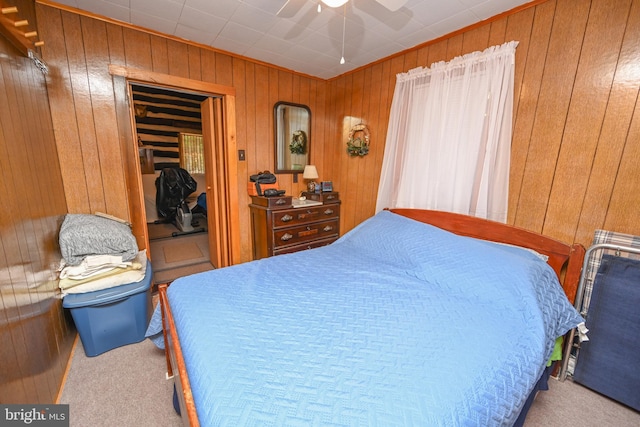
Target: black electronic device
x=273, y=192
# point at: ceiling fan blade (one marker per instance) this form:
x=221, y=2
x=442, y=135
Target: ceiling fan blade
x=282, y=8
x=392, y=5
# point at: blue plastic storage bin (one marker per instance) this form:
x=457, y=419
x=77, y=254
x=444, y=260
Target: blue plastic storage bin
x=112, y=317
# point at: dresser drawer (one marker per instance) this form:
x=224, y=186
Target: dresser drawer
x=305, y=233
x=304, y=246
x=292, y=217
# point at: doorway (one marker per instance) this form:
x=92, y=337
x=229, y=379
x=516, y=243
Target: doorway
x=219, y=133
x=168, y=131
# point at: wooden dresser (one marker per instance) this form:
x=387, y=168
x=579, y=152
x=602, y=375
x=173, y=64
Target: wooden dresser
x=278, y=228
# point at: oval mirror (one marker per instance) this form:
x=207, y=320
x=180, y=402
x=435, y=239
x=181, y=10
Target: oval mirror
x=292, y=137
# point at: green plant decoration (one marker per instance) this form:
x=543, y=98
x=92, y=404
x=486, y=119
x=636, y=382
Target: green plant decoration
x=298, y=144
x=358, y=143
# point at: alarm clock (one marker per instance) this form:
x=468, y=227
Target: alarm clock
x=327, y=186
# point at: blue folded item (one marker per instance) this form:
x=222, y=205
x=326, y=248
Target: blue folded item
x=608, y=363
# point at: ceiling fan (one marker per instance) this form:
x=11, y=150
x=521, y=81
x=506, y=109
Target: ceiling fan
x=392, y=5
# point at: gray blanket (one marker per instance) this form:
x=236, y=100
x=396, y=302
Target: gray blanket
x=82, y=235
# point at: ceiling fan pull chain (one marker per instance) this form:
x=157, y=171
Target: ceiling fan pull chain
x=344, y=26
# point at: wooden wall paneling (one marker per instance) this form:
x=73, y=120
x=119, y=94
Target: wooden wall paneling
x=348, y=188
x=115, y=41
x=380, y=117
x=302, y=87
x=477, y=39
x=532, y=29
x=11, y=234
x=557, y=82
x=319, y=125
x=497, y=33
x=63, y=110
x=273, y=96
x=84, y=113
x=81, y=94
x=159, y=54
x=437, y=52
x=242, y=75
x=103, y=108
x=208, y=64
x=454, y=46
x=366, y=167
x=614, y=135
x=260, y=151
x=422, y=58
x=331, y=138
x=284, y=84
x=195, y=70
x=224, y=69
x=33, y=204
x=410, y=59
x=622, y=214
x=179, y=59
x=137, y=49
x=355, y=168
x=598, y=62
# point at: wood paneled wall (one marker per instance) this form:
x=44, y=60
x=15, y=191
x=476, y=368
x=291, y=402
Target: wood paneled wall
x=35, y=335
x=80, y=48
x=576, y=135
x=575, y=124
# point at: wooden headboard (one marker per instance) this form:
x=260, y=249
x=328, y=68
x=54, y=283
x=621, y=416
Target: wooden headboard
x=565, y=259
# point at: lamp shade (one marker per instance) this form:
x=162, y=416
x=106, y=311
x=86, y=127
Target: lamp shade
x=310, y=172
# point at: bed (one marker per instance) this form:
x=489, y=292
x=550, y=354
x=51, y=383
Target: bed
x=411, y=318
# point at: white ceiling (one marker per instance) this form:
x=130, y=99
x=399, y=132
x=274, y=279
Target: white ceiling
x=300, y=38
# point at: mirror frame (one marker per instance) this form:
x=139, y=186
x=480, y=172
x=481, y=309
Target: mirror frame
x=281, y=142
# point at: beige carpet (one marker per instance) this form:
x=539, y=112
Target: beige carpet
x=175, y=257
x=182, y=251
x=123, y=387
x=126, y=387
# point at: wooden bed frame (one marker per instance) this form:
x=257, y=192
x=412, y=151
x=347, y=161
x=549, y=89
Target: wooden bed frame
x=566, y=260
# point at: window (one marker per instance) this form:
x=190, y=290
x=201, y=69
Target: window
x=191, y=147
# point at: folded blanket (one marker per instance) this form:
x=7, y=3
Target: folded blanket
x=82, y=235
x=92, y=265
x=116, y=277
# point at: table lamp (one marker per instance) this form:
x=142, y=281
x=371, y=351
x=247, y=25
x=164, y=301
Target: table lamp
x=310, y=173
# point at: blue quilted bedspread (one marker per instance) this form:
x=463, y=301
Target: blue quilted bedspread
x=396, y=323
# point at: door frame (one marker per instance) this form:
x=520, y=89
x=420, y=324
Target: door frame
x=223, y=156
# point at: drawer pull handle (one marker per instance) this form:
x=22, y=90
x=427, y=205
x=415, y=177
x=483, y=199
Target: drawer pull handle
x=286, y=218
x=331, y=197
x=328, y=212
x=308, y=228
x=327, y=228
x=286, y=237
x=281, y=202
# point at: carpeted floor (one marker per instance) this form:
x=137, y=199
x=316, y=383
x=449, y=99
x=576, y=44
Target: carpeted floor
x=173, y=257
x=123, y=387
x=126, y=387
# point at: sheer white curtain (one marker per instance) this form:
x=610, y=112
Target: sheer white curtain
x=449, y=136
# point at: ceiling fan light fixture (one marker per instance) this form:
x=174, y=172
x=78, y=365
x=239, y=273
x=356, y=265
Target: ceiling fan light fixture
x=334, y=3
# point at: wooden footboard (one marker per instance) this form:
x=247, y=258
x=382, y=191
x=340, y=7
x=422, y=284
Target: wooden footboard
x=175, y=362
